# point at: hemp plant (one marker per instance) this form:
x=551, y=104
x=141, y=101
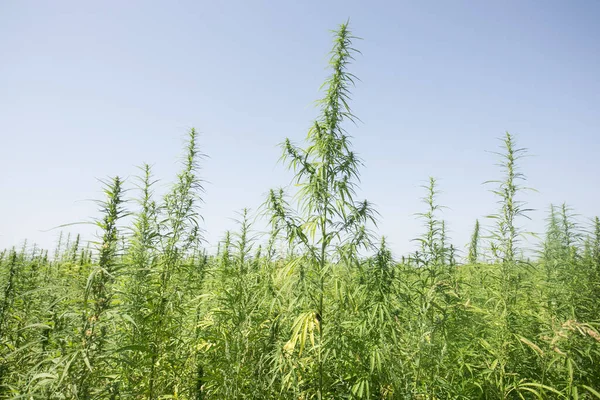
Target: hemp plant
x=99, y=293
x=326, y=173
x=507, y=233
x=474, y=245
x=179, y=234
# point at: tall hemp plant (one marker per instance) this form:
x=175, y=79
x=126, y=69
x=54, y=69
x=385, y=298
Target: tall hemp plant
x=96, y=360
x=179, y=233
x=507, y=233
x=136, y=282
x=435, y=278
x=329, y=220
x=505, y=238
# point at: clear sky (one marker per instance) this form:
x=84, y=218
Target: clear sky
x=90, y=89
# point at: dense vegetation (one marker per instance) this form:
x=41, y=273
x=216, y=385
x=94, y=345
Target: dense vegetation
x=318, y=308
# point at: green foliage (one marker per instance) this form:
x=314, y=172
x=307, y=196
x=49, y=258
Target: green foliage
x=313, y=309
x=474, y=245
x=507, y=233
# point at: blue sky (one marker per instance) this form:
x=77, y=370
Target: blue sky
x=93, y=89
